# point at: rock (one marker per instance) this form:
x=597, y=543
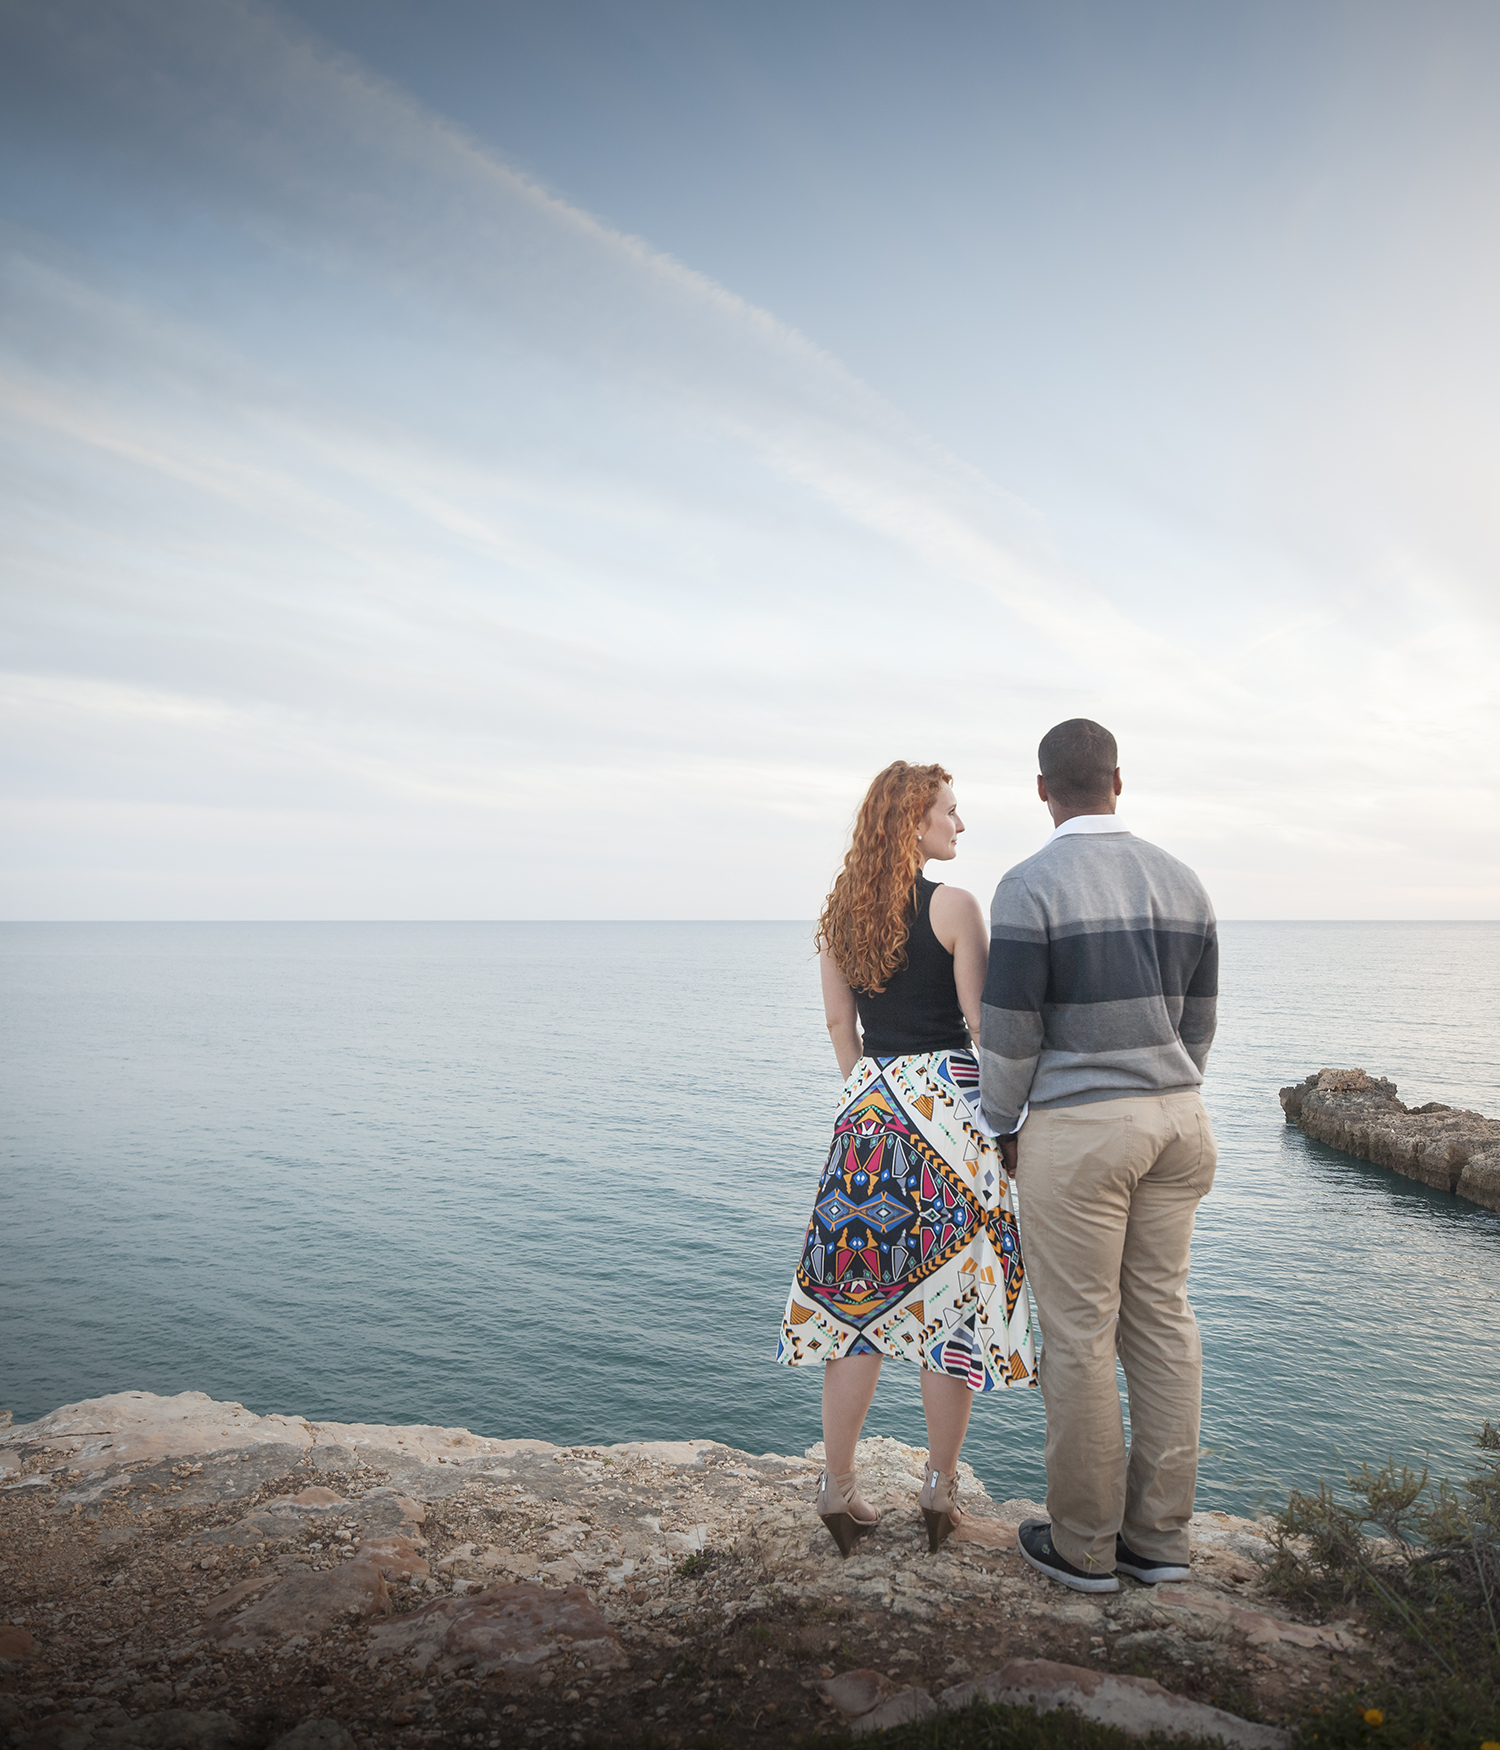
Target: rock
x=1135, y=1705
x=407, y=1709
x=318, y=1498
x=1209, y=1612
x=315, y=1735
x=675, y=1452
x=238, y=1594
x=128, y=1605
x=307, y=1604
x=60, y=1732
x=176, y=1729
x=987, y=1533
x=903, y=1708
x=856, y=1692
x=132, y=1426
x=396, y=1557
x=16, y=1644
x=508, y=1561
x=508, y=1628
x=1450, y=1149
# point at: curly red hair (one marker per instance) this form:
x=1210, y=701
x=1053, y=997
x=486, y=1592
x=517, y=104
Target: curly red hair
x=867, y=915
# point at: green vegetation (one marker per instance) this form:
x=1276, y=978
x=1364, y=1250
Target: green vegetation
x=1423, y=1559
x=700, y=1562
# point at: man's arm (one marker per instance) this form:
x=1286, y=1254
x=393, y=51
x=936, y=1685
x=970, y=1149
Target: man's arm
x=1015, y=987
x=1200, y=1001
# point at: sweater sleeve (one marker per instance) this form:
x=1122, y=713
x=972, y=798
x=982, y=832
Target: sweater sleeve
x=1015, y=987
x=1200, y=1003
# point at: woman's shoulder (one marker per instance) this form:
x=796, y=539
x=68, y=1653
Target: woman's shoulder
x=954, y=903
x=950, y=895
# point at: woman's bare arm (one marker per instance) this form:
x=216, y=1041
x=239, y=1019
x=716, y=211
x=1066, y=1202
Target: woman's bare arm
x=842, y=1013
x=959, y=924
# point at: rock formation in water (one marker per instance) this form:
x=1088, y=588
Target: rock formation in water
x=1443, y=1146
x=178, y=1572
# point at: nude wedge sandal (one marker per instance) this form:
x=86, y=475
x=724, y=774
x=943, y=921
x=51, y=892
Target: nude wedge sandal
x=939, y=1503
x=837, y=1495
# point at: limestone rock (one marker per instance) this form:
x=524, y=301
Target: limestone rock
x=676, y=1452
x=508, y=1628
x=857, y=1692
x=904, y=1707
x=1450, y=1149
x=1211, y=1614
x=308, y=1604
x=315, y=1735
x=397, y=1557
x=297, y=1547
x=987, y=1533
x=16, y=1644
x=1135, y=1705
x=128, y=1427
x=176, y=1729
x=236, y=1595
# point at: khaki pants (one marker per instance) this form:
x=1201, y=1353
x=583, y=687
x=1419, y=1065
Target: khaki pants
x=1108, y=1196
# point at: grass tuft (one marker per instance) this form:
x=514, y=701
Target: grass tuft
x=1423, y=1558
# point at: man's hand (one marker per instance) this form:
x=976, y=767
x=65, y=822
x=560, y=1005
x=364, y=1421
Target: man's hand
x=1008, y=1155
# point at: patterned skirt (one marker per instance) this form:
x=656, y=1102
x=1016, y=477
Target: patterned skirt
x=913, y=1247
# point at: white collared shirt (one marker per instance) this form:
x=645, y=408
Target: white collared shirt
x=1089, y=823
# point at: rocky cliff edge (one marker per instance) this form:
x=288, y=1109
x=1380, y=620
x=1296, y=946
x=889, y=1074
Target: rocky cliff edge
x=179, y=1572
x=1443, y=1146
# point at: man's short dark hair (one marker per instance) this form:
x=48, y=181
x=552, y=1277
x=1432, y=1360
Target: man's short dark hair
x=1078, y=760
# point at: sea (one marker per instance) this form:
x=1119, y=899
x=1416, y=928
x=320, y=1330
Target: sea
x=551, y=1179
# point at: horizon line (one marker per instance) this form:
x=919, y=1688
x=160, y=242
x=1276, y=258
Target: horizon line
x=73, y=923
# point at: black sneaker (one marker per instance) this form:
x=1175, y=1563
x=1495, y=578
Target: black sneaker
x=1034, y=1539
x=1140, y=1568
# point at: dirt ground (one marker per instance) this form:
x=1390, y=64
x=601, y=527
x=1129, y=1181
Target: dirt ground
x=226, y=1596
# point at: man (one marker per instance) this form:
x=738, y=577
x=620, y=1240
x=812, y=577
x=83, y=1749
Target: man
x=1099, y=1011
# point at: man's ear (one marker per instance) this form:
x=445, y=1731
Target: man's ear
x=1119, y=783
x=1041, y=786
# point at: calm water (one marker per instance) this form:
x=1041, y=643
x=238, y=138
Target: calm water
x=551, y=1179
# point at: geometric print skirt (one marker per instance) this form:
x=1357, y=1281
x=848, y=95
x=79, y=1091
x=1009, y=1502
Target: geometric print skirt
x=913, y=1247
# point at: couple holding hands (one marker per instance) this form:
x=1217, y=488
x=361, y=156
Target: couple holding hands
x=1050, y=1063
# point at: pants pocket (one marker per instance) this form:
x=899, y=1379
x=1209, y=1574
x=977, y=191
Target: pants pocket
x=1208, y=1156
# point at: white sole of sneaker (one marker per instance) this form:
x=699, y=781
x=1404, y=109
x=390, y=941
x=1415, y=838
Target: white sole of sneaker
x=1074, y=1582
x=1153, y=1576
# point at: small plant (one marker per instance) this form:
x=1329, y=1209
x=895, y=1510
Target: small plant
x=1423, y=1557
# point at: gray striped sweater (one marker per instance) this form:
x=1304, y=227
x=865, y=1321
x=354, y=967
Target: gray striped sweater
x=1103, y=978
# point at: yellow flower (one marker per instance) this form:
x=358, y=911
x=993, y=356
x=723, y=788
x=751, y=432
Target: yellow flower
x=1374, y=1717
x=1489, y=1744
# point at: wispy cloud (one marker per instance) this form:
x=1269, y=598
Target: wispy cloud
x=355, y=475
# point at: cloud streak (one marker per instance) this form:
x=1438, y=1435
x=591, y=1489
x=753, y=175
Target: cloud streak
x=354, y=476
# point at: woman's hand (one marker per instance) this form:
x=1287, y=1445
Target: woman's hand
x=842, y=1014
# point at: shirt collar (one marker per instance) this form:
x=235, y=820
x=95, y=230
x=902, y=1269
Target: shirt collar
x=1089, y=823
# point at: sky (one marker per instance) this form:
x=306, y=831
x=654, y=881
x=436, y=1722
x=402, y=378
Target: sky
x=479, y=460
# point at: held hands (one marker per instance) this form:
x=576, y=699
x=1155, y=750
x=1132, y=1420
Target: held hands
x=1008, y=1155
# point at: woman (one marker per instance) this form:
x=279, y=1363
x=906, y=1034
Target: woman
x=912, y=1249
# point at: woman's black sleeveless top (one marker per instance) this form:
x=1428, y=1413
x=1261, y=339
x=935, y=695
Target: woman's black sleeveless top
x=918, y=1010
